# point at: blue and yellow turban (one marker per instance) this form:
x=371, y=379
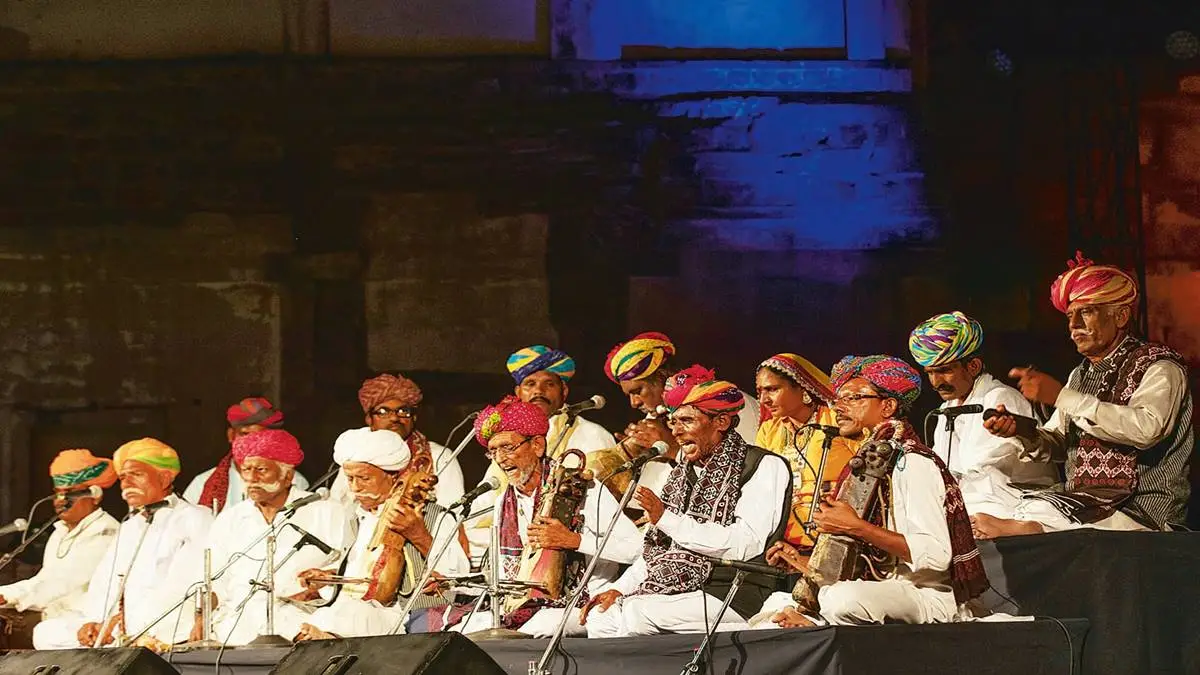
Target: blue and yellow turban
x=527, y=361
x=945, y=338
x=891, y=376
x=638, y=358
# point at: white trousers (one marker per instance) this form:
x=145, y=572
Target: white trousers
x=542, y=624
x=691, y=612
x=58, y=633
x=1053, y=520
x=850, y=603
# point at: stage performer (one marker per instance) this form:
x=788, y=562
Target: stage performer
x=988, y=468
x=1122, y=423
x=267, y=462
x=795, y=393
x=724, y=498
x=391, y=402
x=175, y=532
x=222, y=484
x=374, y=463
x=514, y=433
x=927, y=531
x=83, y=533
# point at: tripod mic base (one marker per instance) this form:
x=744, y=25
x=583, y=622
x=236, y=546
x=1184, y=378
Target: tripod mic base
x=269, y=641
x=197, y=645
x=498, y=634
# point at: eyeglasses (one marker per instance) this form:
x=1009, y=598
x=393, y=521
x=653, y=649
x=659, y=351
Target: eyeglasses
x=402, y=413
x=506, y=450
x=854, y=398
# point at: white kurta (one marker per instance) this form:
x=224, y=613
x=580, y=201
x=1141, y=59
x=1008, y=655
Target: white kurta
x=158, y=578
x=237, y=489
x=586, y=435
x=985, y=464
x=756, y=516
x=919, y=592
x=350, y=615
x=71, y=556
x=447, y=491
x=748, y=419
x=236, y=529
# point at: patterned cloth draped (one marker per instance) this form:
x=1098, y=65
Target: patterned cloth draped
x=945, y=338
x=525, y=362
x=888, y=374
x=216, y=487
x=1087, y=283
x=80, y=468
x=697, y=386
x=967, y=576
x=802, y=373
x=638, y=358
x=670, y=568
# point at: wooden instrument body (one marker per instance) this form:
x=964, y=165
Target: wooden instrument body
x=385, y=553
x=604, y=462
x=838, y=557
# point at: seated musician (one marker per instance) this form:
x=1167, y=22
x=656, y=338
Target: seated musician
x=926, y=533
x=267, y=462
x=79, y=539
x=375, y=463
x=724, y=498
x=1122, y=423
x=988, y=468
x=514, y=433
x=154, y=546
x=796, y=393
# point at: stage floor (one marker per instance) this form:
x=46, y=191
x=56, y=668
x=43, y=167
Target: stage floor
x=1042, y=647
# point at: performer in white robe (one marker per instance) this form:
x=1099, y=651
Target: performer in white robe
x=392, y=402
x=158, y=575
x=373, y=462
x=724, y=499
x=81, y=535
x=989, y=470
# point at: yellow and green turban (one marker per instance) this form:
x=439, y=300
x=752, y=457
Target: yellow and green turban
x=527, y=361
x=638, y=358
x=1087, y=283
x=80, y=469
x=945, y=338
x=699, y=387
x=149, y=451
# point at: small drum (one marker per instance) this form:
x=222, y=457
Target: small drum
x=16, y=629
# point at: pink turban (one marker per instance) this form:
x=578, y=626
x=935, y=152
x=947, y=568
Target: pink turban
x=1087, y=283
x=510, y=414
x=275, y=444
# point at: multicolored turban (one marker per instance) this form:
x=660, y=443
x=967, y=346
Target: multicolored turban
x=150, y=451
x=80, y=469
x=275, y=444
x=385, y=387
x=383, y=448
x=527, y=361
x=510, y=414
x=638, y=358
x=945, y=338
x=888, y=374
x=255, y=410
x=801, y=371
x=699, y=387
x=1091, y=284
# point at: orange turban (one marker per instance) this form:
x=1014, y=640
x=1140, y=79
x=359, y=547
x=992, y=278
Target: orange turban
x=1087, y=283
x=80, y=468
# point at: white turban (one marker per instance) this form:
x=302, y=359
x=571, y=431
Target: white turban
x=383, y=448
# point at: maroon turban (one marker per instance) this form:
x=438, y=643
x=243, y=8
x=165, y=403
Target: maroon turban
x=386, y=388
x=256, y=410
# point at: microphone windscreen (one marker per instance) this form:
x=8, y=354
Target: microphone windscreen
x=660, y=448
x=599, y=401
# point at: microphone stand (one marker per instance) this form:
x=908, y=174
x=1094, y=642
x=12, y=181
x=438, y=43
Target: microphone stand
x=818, y=479
x=693, y=666
x=269, y=639
x=457, y=451
x=429, y=566
x=12, y=555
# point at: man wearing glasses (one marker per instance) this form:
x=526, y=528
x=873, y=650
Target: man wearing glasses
x=390, y=402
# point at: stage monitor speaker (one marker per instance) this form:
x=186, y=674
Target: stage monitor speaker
x=423, y=653
x=85, y=662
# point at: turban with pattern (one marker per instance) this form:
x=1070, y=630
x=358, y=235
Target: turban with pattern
x=527, y=361
x=802, y=372
x=510, y=414
x=888, y=374
x=149, y=451
x=275, y=444
x=1087, y=283
x=945, y=338
x=80, y=469
x=256, y=410
x=383, y=448
x=385, y=387
x=697, y=386
x=638, y=358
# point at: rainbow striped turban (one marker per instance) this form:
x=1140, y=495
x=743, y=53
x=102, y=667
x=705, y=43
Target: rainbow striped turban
x=697, y=386
x=80, y=468
x=510, y=414
x=527, y=361
x=638, y=358
x=1091, y=284
x=275, y=444
x=149, y=451
x=888, y=374
x=801, y=371
x=945, y=338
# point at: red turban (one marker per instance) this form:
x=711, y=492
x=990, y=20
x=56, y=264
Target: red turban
x=510, y=414
x=254, y=411
x=275, y=444
x=377, y=390
x=1087, y=283
x=697, y=386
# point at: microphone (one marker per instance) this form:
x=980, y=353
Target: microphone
x=18, y=525
x=828, y=430
x=594, y=403
x=1026, y=426
x=955, y=411
x=316, y=496
x=489, y=484
x=307, y=537
x=93, y=491
x=757, y=568
x=654, y=452
x=149, y=509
